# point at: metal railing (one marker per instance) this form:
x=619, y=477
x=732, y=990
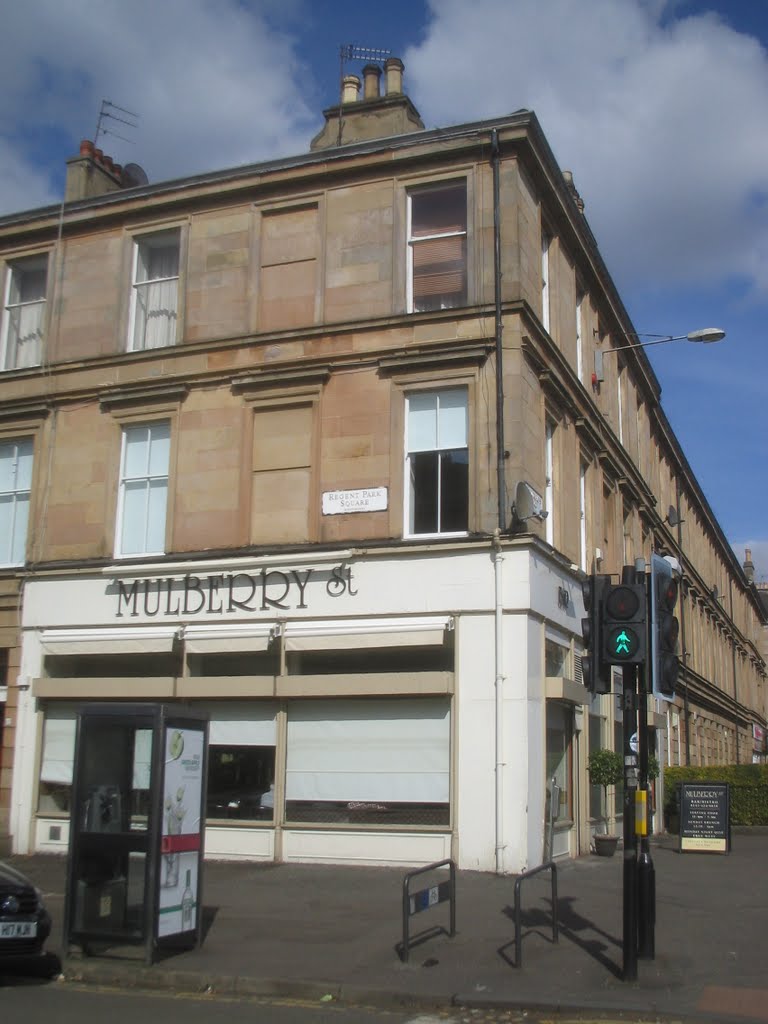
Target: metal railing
x=547, y=866
x=425, y=899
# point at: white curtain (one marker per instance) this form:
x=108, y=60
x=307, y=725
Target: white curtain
x=234, y=724
x=25, y=335
x=156, y=293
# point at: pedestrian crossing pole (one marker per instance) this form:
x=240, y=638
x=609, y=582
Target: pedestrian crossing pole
x=646, y=873
x=630, y=901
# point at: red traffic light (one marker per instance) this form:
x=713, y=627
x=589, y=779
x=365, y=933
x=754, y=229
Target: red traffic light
x=622, y=603
x=667, y=593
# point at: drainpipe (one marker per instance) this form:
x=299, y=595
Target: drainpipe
x=683, y=639
x=735, y=672
x=498, y=561
x=500, y=475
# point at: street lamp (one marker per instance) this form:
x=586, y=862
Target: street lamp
x=704, y=336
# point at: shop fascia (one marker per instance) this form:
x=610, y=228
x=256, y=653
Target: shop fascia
x=228, y=593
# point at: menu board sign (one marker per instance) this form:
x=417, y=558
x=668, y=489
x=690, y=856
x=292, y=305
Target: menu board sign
x=705, y=817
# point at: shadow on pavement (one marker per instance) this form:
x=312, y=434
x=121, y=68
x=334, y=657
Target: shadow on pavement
x=572, y=926
x=29, y=970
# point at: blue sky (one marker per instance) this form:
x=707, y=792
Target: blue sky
x=658, y=107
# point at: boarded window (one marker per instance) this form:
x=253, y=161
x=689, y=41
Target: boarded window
x=282, y=459
x=289, y=246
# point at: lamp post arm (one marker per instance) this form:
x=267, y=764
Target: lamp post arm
x=705, y=336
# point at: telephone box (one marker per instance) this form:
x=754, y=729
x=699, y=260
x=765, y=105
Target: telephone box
x=134, y=873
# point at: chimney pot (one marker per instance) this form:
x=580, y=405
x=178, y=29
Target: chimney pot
x=98, y=155
x=393, y=68
x=350, y=87
x=371, y=76
x=86, y=148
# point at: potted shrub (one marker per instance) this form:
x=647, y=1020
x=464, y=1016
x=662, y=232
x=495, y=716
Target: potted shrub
x=606, y=768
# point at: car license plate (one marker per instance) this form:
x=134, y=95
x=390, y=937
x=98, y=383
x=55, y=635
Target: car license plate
x=18, y=929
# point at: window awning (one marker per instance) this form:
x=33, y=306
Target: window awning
x=349, y=634
x=223, y=638
x=131, y=640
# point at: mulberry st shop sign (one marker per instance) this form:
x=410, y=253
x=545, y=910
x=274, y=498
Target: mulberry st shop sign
x=228, y=594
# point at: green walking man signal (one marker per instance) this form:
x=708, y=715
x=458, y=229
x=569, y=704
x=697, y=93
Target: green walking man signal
x=624, y=624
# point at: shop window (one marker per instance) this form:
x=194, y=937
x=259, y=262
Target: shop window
x=559, y=733
x=369, y=762
x=437, y=462
x=241, y=782
x=15, y=492
x=557, y=659
x=364, y=661
x=241, y=761
x=55, y=789
x=155, y=291
x=106, y=666
x=437, y=247
x=597, y=809
x=24, y=313
x=234, y=663
x=143, y=495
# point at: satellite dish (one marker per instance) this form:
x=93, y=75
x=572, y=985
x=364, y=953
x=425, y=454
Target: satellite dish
x=134, y=175
x=528, y=504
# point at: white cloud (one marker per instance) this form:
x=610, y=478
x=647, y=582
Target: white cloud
x=657, y=120
x=214, y=84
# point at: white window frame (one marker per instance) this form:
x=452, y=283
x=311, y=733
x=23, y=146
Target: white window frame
x=579, y=339
x=409, y=508
x=583, y=515
x=415, y=193
x=549, y=482
x=16, y=309
x=546, y=244
x=142, y=244
x=148, y=479
x=620, y=402
x=18, y=497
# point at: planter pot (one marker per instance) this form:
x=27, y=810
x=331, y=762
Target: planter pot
x=605, y=846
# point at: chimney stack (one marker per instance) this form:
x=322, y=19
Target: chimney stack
x=350, y=87
x=371, y=76
x=394, y=68
x=749, y=565
x=91, y=174
x=375, y=116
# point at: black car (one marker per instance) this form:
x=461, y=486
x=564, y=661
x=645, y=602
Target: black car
x=25, y=923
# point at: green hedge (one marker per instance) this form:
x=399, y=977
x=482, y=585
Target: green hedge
x=749, y=789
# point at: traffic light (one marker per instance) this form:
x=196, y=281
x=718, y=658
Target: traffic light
x=595, y=674
x=665, y=628
x=624, y=626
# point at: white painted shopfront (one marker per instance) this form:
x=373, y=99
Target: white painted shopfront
x=393, y=707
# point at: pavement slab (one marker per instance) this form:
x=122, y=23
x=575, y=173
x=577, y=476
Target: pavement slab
x=310, y=930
